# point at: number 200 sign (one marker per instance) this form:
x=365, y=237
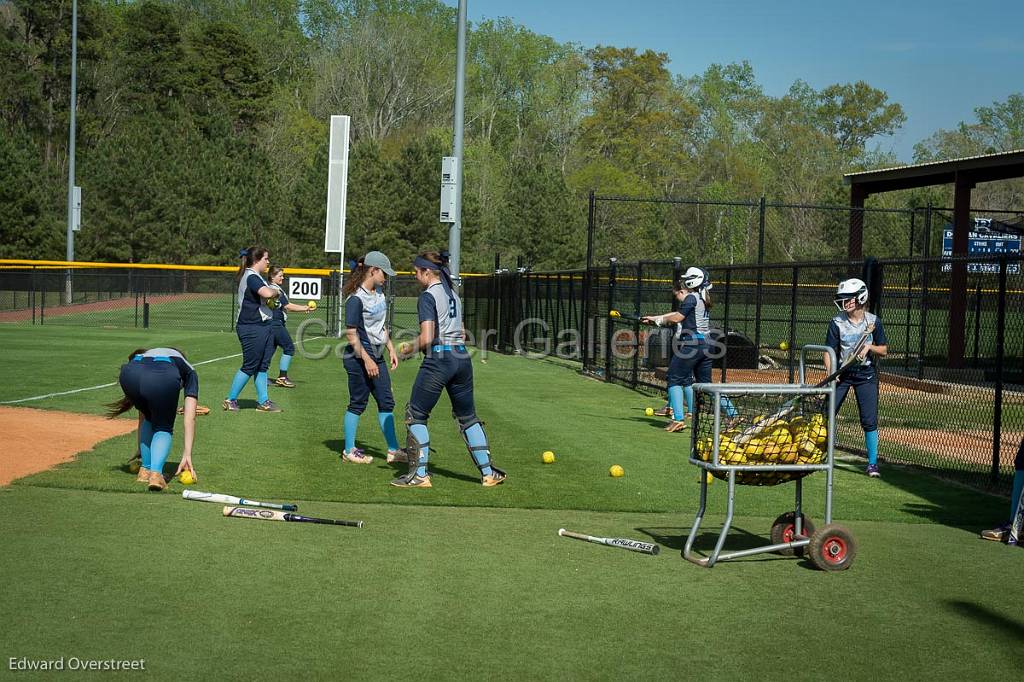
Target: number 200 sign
x=304, y=287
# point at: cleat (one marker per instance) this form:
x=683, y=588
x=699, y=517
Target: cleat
x=663, y=412
x=872, y=471
x=230, y=405
x=143, y=476
x=397, y=456
x=1000, y=534
x=268, y=406
x=497, y=477
x=675, y=426
x=356, y=456
x=156, y=481
x=412, y=480
x=284, y=382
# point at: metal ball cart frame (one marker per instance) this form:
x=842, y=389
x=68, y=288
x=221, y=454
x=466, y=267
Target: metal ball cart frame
x=830, y=548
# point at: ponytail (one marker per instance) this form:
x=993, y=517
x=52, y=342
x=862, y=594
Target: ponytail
x=248, y=258
x=122, y=405
x=355, y=277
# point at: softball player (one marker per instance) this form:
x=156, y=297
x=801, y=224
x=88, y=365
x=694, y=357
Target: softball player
x=446, y=366
x=253, y=326
x=1001, y=533
x=691, y=350
x=151, y=381
x=844, y=332
x=282, y=339
x=366, y=311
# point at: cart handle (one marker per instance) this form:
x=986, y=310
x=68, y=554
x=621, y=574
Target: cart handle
x=803, y=355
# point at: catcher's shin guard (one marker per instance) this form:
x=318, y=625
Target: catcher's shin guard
x=413, y=447
x=465, y=424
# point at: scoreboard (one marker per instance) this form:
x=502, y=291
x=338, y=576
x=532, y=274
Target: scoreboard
x=984, y=241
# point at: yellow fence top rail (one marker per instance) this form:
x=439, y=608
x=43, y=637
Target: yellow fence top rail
x=9, y=263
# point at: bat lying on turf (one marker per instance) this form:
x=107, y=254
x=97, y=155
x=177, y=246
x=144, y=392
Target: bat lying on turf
x=200, y=496
x=624, y=543
x=1017, y=523
x=766, y=423
x=271, y=515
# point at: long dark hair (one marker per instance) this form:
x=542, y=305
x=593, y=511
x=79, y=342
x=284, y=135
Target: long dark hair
x=355, y=278
x=249, y=258
x=119, y=407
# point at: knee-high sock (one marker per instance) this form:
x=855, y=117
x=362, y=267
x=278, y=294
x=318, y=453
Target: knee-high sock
x=476, y=438
x=261, y=388
x=351, y=424
x=675, y=400
x=1018, y=487
x=159, y=449
x=237, y=384
x=871, y=444
x=145, y=441
x=420, y=433
x=286, y=362
x=688, y=392
x=730, y=409
x=387, y=427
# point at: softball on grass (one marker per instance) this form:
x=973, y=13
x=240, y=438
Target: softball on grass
x=134, y=465
x=186, y=477
x=405, y=348
x=548, y=457
x=649, y=411
x=784, y=345
x=311, y=305
x=616, y=471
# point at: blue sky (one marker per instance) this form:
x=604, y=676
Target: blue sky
x=939, y=59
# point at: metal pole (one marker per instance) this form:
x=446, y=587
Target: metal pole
x=70, y=254
x=455, y=233
x=997, y=413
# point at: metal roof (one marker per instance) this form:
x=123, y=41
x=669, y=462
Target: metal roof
x=981, y=168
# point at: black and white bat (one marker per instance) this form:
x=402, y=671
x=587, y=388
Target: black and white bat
x=766, y=423
x=200, y=496
x=615, y=314
x=1017, y=524
x=624, y=543
x=274, y=515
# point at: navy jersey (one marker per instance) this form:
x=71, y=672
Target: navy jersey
x=445, y=310
x=251, y=309
x=696, y=319
x=279, y=313
x=189, y=378
x=843, y=335
x=366, y=312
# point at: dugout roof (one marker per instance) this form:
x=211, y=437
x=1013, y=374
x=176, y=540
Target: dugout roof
x=963, y=174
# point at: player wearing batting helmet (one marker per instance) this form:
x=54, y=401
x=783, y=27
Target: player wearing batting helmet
x=253, y=326
x=366, y=312
x=844, y=333
x=282, y=339
x=691, y=348
x=446, y=367
x=151, y=381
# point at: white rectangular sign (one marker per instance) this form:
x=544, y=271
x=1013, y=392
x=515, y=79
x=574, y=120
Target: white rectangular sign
x=308, y=288
x=76, y=209
x=337, y=186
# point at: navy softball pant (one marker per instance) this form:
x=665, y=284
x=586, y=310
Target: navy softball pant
x=361, y=385
x=257, y=346
x=690, y=360
x=153, y=387
x=865, y=387
x=283, y=340
x=451, y=371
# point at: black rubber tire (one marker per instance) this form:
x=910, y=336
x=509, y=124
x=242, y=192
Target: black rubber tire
x=832, y=548
x=783, y=529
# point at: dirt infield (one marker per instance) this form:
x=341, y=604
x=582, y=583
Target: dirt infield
x=35, y=440
x=98, y=306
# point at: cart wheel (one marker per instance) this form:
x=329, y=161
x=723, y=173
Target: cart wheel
x=783, y=530
x=832, y=548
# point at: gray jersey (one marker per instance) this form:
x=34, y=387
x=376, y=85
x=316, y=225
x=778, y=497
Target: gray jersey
x=436, y=305
x=367, y=311
x=696, y=319
x=843, y=335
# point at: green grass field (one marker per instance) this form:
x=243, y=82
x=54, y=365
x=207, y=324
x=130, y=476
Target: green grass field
x=461, y=582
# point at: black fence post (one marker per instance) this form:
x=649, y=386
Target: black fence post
x=792, y=319
x=637, y=301
x=591, y=213
x=725, y=323
x=977, y=320
x=608, y=322
x=760, y=278
x=997, y=415
x=922, y=336
x=33, y=295
x=42, y=302
x=588, y=283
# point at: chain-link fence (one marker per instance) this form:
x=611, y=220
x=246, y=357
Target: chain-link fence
x=203, y=299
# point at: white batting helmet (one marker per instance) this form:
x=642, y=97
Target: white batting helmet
x=696, y=278
x=851, y=288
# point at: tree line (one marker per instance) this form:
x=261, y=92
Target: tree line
x=203, y=128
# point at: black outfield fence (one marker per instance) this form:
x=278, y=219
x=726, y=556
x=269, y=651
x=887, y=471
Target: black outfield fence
x=961, y=413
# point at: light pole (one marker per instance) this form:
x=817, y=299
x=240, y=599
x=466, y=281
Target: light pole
x=70, y=255
x=455, y=232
